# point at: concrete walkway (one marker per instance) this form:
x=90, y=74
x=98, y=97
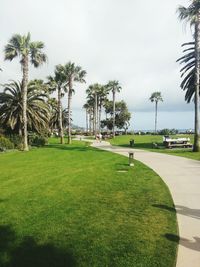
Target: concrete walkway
x=182, y=176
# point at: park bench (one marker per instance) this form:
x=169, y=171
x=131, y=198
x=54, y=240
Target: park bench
x=176, y=143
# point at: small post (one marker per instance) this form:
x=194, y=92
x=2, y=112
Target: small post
x=131, y=159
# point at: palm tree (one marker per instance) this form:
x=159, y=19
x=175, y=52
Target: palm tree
x=57, y=82
x=156, y=97
x=11, y=108
x=21, y=46
x=103, y=92
x=93, y=93
x=71, y=74
x=188, y=70
x=55, y=118
x=86, y=107
x=114, y=87
x=191, y=14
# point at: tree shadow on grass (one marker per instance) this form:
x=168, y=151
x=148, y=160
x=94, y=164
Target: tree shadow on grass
x=29, y=253
x=164, y=207
x=69, y=148
x=191, y=244
x=193, y=213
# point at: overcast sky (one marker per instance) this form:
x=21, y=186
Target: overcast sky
x=136, y=42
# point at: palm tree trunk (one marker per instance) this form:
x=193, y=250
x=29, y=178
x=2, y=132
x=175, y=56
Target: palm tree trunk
x=95, y=116
x=86, y=112
x=93, y=121
x=196, y=147
x=100, y=110
x=69, y=111
x=156, y=116
x=90, y=121
x=24, y=102
x=113, y=113
x=60, y=120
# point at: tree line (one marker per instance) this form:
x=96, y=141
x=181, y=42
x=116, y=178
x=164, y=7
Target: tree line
x=28, y=106
x=117, y=114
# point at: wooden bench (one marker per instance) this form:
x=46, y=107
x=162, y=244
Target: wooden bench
x=179, y=145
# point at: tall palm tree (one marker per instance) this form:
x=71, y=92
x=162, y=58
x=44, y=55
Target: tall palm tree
x=11, y=108
x=191, y=14
x=86, y=107
x=57, y=83
x=93, y=93
x=21, y=46
x=156, y=97
x=103, y=92
x=72, y=74
x=114, y=87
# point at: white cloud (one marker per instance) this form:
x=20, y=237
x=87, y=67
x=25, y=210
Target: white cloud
x=136, y=42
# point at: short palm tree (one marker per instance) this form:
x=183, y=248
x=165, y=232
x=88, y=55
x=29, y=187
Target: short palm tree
x=114, y=87
x=21, y=46
x=57, y=83
x=191, y=14
x=11, y=108
x=72, y=74
x=156, y=97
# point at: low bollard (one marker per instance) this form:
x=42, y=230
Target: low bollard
x=131, y=159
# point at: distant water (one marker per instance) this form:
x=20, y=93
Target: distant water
x=179, y=130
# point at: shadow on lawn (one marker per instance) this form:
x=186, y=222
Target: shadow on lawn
x=193, y=213
x=191, y=244
x=30, y=254
x=72, y=148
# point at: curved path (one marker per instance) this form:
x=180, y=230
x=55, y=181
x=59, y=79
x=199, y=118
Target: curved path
x=182, y=176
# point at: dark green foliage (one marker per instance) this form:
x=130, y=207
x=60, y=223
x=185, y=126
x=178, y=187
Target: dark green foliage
x=11, y=107
x=122, y=115
x=15, y=139
x=167, y=132
x=188, y=71
x=5, y=144
x=36, y=140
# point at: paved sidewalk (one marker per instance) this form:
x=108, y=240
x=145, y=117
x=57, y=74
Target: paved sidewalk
x=182, y=176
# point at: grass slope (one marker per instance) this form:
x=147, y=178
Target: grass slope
x=69, y=206
x=145, y=142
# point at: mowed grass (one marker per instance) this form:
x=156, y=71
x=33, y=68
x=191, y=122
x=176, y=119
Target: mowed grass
x=73, y=205
x=145, y=142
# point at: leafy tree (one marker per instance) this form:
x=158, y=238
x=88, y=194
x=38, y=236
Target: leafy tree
x=122, y=116
x=114, y=87
x=156, y=97
x=11, y=108
x=191, y=14
x=22, y=47
x=72, y=74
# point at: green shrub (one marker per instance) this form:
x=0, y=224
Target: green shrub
x=39, y=141
x=16, y=140
x=5, y=144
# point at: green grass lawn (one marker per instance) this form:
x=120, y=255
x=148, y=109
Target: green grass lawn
x=66, y=206
x=145, y=142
